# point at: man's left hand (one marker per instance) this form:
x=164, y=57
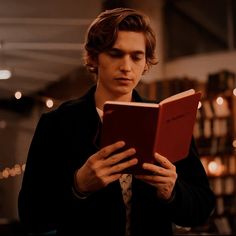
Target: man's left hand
x=163, y=176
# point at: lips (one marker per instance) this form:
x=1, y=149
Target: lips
x=123, y=79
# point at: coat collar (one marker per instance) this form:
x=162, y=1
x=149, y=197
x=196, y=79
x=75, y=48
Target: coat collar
x=90, y=95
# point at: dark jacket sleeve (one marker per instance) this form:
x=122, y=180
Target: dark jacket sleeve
x=194, y=200
x=39, y=196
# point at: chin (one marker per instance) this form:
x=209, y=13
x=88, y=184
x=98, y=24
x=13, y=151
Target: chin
x=124, y=91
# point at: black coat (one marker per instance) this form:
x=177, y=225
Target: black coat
x=63, y=141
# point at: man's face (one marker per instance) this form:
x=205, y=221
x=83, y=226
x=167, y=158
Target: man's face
x=120, y=68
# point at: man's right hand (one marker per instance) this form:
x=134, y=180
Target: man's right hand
x=103, y=167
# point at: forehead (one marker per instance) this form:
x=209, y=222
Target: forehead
x=130, y=41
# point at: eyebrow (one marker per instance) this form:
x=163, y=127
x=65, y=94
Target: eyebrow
x=120, y=50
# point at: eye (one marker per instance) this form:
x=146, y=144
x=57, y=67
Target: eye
x=137, y=56
x=115, y=53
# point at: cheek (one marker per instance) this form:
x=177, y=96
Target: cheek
x=105, y=69
x=106, y=64
x=140, y=69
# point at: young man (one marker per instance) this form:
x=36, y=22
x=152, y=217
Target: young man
x=72, y=186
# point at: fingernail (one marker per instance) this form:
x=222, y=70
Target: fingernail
x=132, y=150
x=121, y=143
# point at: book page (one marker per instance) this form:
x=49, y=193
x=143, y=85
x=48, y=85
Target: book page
x=175, y=125
x=140, y=104
x=178, y=96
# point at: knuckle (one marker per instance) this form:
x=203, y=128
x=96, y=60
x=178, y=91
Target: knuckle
x=175, y=175
x=103, y=183
x=112, y=160
x=90, y=162
x=102, y=152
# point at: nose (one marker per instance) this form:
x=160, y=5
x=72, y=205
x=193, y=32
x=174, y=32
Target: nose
x=125, y=64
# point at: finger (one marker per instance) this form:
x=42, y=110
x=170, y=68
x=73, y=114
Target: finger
x=107, y=179
x=163, y=161
x=149, y=180
x=108, y=150
x=116, y=158
x=153, y=179
x=118, y=168
x=112, y=178
x=156, y=170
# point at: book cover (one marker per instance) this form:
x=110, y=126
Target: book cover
x=165, y=128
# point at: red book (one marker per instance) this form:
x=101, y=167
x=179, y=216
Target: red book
x=166, y=128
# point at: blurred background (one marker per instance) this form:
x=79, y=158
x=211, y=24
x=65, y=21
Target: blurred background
x=41, y=65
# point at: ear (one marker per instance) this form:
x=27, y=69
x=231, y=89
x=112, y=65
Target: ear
x=92, y=61
x=145, y=69
x=92, y=64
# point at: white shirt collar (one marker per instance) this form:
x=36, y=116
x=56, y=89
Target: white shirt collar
x=100, y=112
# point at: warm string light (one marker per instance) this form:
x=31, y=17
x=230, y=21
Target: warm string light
x=219, y=100
x=234, y=143
x=234, y=92
x=3, y=124
x=18, y=95
x=49, y=102
x=17, y=169
x=199, y=105
x=5, y=74
x=216, y=167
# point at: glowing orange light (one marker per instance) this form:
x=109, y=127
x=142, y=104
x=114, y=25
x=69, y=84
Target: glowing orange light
x=215, y=167
x=18, y=95
x=49, y=103
x=234, y=92
x=234, y=143
x=219, y=100
x=199, y=105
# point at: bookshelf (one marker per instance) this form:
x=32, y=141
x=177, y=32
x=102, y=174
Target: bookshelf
x=215, y=135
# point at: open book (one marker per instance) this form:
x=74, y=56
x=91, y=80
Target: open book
x=166, y=128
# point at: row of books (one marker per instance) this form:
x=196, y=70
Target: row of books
x=217, y=83
x=161, y=89
x=215, y=145
x=215, y=108
x=212, y=128
x=220, y=82
x=223, y=186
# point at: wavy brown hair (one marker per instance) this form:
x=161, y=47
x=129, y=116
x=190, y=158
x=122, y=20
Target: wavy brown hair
x=103, y=31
